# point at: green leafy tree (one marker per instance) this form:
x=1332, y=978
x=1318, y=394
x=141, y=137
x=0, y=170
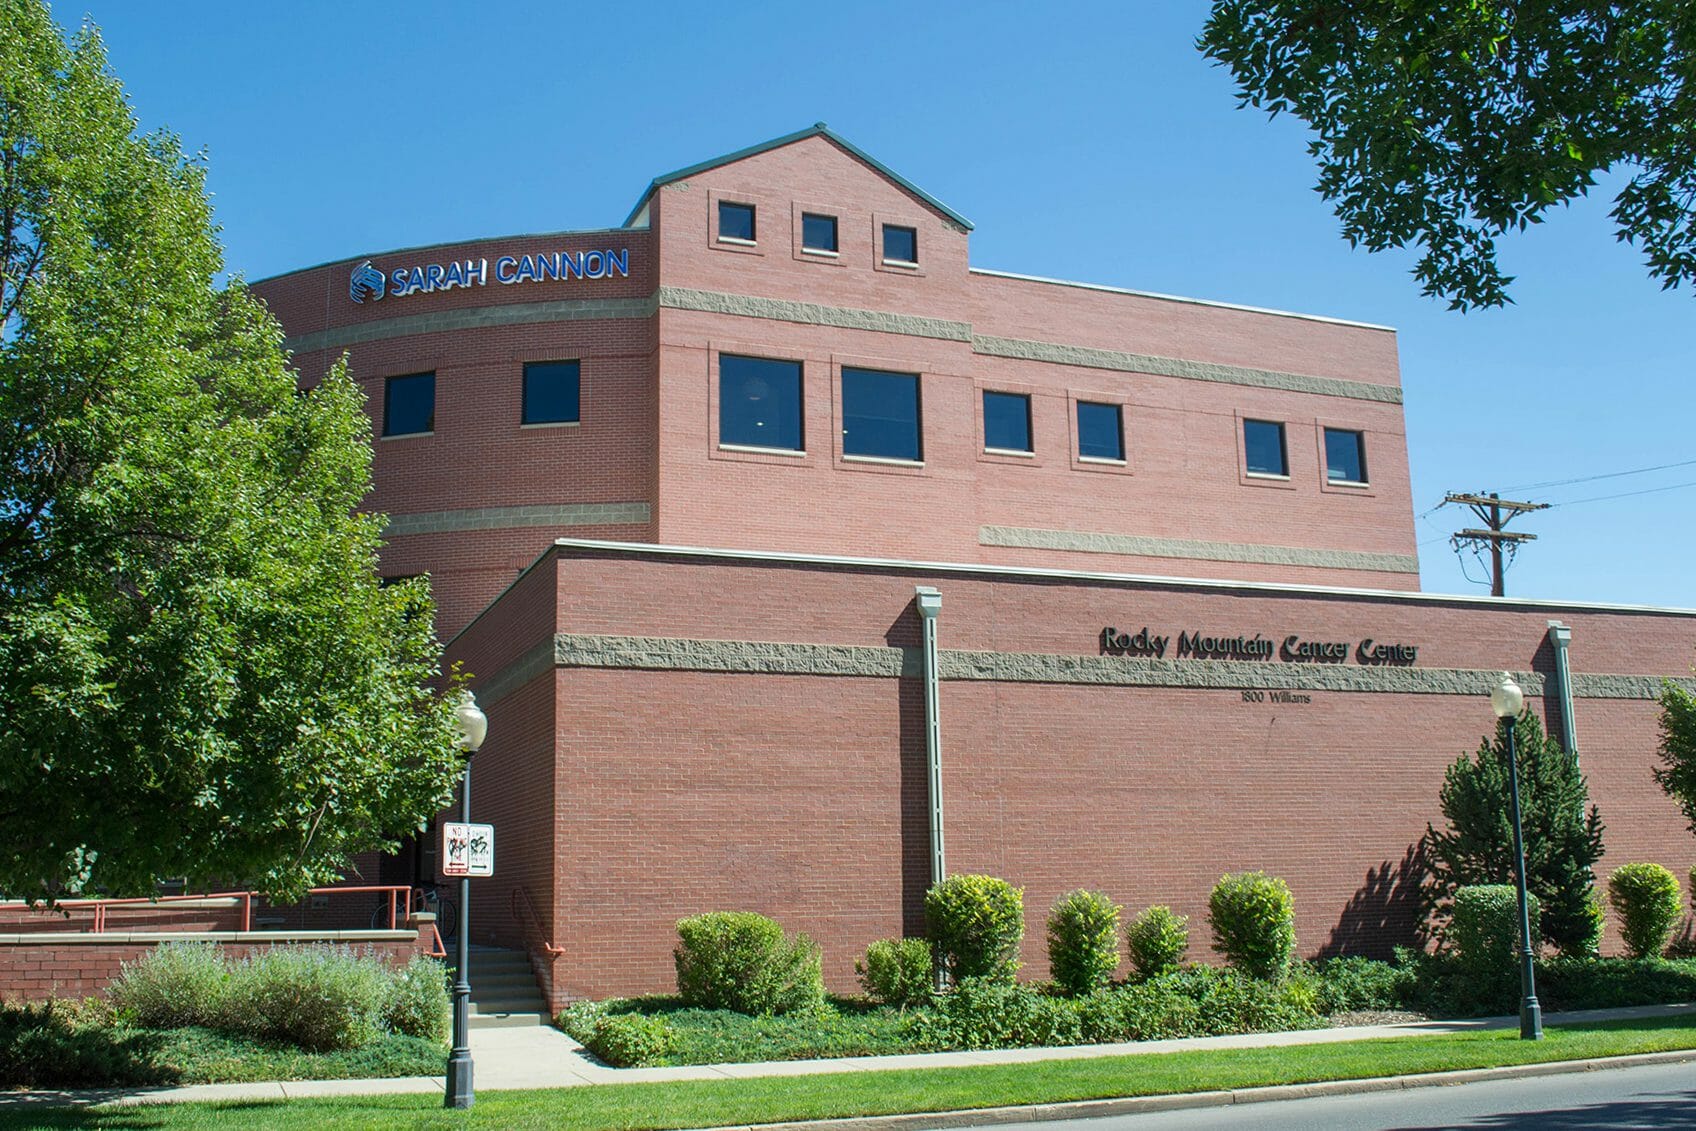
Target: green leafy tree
x=1677, y=772
x=1443, y=125
x=199, y=673
x=1562, y=833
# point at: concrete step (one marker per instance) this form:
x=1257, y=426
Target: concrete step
x=507, y=1003
x=485, y=981
x=509, y=1020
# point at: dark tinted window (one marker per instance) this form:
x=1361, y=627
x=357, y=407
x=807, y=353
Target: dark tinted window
x=1101, y=431
x=409, y=404
x=1345, y=456
x=1263, y=447
x=880, y=414
x=551, y=390
x=759, y=402
x=900, y=244
x=735, y=221
x=1007, y=421
x=818, y=233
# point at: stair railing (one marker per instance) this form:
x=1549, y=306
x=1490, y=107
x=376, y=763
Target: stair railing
x=524, y=910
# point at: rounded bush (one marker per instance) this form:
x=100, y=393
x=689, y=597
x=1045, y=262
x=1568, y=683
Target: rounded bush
x=1484, y=929
x=1083, y=941
x=173, y=986
x=418, y=1004
x=1253, y=917
x=897, y=972
x=320, y=998
x=1647, y=900
x=742, y=961
x=630, y=1040
x=1157, y=941
x=975, y=924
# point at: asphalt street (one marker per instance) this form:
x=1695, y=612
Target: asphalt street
x=1659, y=1096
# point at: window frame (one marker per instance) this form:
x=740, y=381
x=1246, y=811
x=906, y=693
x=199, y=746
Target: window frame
x=524, y=395
x=389, y=383
x=752, y=239
x=842, y=371
x=1078, y=405
x=984, y=393
x=1243, y=422
x=835, y=248
x=719, y=405
x=1359, y=434
x=883, y=244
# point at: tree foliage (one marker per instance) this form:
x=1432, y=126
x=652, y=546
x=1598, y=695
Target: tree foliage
x=1677, y=772
x=1444, y=125
x=199, y=674
x=1561, y=829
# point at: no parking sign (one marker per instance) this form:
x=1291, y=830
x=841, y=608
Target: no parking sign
x=468, y=850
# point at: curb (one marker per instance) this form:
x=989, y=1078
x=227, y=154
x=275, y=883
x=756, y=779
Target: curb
x=1133, y=1105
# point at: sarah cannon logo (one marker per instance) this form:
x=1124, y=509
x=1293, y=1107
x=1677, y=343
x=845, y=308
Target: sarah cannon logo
x=366, y=280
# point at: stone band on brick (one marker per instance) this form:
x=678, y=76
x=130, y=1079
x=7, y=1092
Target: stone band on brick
x=1143, y=546
x=504, y=518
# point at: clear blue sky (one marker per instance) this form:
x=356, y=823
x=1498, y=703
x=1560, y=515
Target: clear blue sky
x=1085, y=141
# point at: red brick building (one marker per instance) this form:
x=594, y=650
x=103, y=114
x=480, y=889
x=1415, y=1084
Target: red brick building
x=756, y=418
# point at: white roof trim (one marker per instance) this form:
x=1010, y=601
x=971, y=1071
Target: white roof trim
x=1181, y=298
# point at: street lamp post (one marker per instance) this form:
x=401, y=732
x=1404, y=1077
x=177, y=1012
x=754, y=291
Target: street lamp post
x=473, y=727
x=1507, y=700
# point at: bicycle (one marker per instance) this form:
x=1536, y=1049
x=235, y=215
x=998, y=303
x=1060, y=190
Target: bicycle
x=423, y=897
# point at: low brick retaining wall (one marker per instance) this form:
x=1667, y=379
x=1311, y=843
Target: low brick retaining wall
x=35, y=966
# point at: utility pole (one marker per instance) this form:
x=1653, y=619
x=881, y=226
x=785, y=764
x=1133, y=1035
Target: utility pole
x=1495, y=513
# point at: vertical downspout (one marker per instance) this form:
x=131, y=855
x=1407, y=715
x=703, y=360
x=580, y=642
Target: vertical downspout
x=929, y=602
x=1560, y=636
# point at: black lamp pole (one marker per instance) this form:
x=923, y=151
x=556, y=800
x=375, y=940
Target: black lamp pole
x=474, y=726
x=1507, y=700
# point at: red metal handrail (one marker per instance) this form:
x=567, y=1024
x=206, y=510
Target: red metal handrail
x=527, y=915
x=398, y=895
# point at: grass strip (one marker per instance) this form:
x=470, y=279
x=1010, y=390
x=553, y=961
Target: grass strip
x=710, y=1103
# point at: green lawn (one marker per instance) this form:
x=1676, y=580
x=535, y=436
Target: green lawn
x=711, y=1103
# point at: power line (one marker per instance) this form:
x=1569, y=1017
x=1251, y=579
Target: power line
x=1593, y=478
x=1495, y=513
x=1624, y=494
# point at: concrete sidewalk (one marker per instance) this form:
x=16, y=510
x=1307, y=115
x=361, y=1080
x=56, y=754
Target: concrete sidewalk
x=544, y=1057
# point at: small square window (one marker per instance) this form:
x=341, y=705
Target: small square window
x=759, y=402
x=818, y=233
x=1345, y=456
x=900, y=245
x=880, y=415
x=1006, y=422
x=1263, y=448
x=551, y=391
x=1101, y=431
x=409, y=405
x=735, y=221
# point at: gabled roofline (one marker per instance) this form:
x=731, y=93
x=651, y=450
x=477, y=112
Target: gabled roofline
x=817, y=129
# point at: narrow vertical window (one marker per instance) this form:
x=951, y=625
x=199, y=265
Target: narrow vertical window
x=1263, y=448
x=1101, y=431
x=409, y=405
x=735, y=222
x=1345, y=456
x=1006, y=422
x=759, y=403
x=552, y=392
x=880, y=415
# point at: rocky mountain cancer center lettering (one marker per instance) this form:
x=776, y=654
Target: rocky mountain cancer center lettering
x=1293, y=649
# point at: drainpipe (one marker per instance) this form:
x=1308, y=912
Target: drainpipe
x=929, y=602
x=1560, y=636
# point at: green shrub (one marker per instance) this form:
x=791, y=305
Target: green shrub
x=1647, y=900
x=994, y=1013
x=1253, y=917
x=629, y=1040
x=1614, y=983
x=1156, y=941
x=1484, y=927
x=742, y=961
x=1352, y=983
x=1158, y=1010
x=897, y=972
x=976, y=924
x=1229, y=1001
x=418, y=1003
x=1083, y=941
x=172, y=986
x=319, y=998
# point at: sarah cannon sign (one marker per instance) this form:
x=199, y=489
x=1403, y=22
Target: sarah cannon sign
x=371, y=283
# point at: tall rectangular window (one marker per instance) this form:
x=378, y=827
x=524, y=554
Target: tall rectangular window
x=1101, y=431
x=1006, y=422
x=900, y=245
x=1345, y=456
x=735, y=221
x=880, y=415
x=1263, y=448
x=409, y=404
x=551, y=392
x=759, y=402
x=818, y=233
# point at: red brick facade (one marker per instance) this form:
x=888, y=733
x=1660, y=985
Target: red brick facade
x=680, y=731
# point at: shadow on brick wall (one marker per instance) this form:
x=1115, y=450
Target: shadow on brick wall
x=1384, y=913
